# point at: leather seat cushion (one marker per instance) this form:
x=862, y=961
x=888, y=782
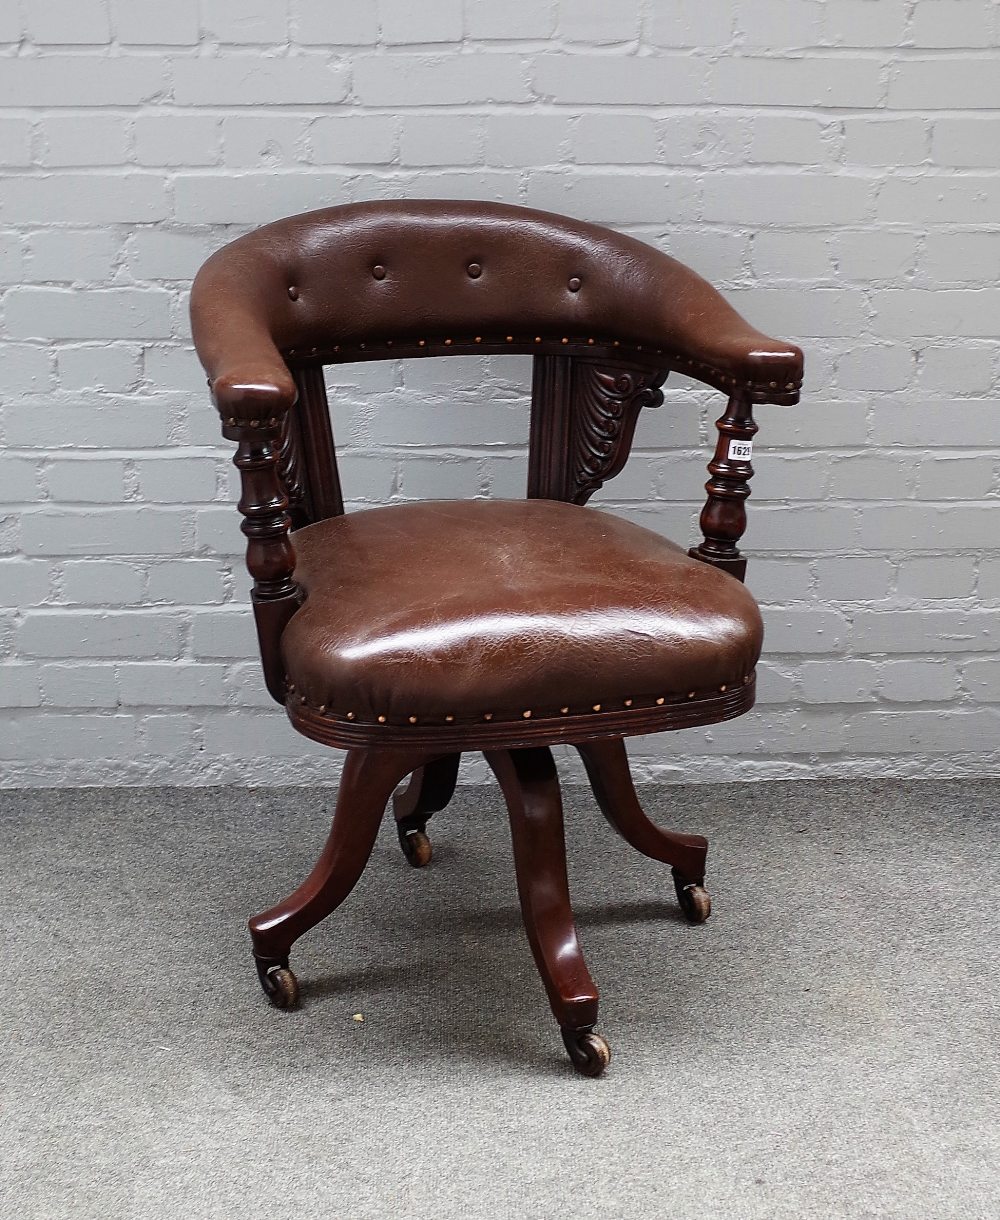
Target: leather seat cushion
x=470, y=608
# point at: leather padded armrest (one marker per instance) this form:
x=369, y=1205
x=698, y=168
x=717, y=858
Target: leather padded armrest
x=715, y=344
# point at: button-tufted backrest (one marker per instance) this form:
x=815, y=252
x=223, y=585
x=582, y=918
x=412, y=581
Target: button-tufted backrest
x=406, y=270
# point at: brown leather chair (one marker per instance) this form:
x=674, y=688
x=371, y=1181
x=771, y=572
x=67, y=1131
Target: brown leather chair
x=407, y=634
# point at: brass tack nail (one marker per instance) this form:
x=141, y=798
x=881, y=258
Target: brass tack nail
x=574, y=284
x=538, y=338
x=421, y=343
x=628, y=702
x=447, y=343
x=381, y=720
x=510, y=338
x=790, y=385
x=616, y=343
x=475, y=271
x=336, y=347
x=413, y=720
x=479, y=338
x=746, y=680
x=361, y=346
x=449, y=719
x=254, y=423
x=378, y=271
x=321, y=709
x=231, y=421
x=388, y=343
x=293, y=292
x=302, y=698
x=526, y=715
x=691, y=694
x=659, y=702
x=487, y=715
x=564, y=710
x=590, y=342
x=565, y=340
x=722, y=690
x=596, y=707
x=350, y=715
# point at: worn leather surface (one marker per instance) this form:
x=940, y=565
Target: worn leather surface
x=410, y=270
x=459, y=608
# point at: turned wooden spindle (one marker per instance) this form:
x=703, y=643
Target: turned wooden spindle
x=723, y=520
x=270, y=554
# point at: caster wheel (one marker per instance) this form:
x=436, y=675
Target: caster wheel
x=588, y=1051
x=416, y=847
x=280, y=985
x=695, y=902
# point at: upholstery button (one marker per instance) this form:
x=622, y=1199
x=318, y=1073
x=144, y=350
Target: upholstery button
x=475, y=271
x=574, y=284
x=293, y=292
x=378, y=271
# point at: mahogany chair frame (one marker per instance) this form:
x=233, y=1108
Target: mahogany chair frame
x=587, y=392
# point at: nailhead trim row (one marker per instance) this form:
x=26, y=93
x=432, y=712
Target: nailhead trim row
x=676, y=361
x=231, y=421
x=529, y=713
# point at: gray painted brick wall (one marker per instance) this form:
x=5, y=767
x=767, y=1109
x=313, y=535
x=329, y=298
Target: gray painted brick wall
x=832, y=166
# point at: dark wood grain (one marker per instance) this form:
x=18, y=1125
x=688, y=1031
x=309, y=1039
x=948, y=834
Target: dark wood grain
x=611, y=779
x=430, y=789
x=583, y=417
x=270, y=555
x=368, y=780
x=723, y=520
x=323, y=494
x=531, y=789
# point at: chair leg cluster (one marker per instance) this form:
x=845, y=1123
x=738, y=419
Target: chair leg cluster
x=530, y=786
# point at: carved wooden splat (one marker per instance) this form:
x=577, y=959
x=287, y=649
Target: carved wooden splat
x=583, y=417
x=291, y=470
x=607, y=404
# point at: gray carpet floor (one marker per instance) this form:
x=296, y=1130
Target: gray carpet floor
x=825, y=1046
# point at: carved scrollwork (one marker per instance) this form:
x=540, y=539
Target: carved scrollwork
x=291, y=470
x=606, y=405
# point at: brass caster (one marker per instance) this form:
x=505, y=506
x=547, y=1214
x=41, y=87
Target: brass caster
x=416, y=847
x=696, y=905
x=279, y=983
x=588, y=1051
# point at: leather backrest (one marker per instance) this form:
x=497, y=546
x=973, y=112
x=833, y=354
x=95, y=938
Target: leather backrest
x=411, y=269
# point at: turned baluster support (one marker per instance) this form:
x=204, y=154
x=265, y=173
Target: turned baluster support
x=270, y=554
x=723, y=520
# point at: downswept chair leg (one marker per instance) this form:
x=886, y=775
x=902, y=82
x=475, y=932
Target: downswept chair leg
x=531, y=788
x=607, y=767
x=431, y=787
x=368, y=780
